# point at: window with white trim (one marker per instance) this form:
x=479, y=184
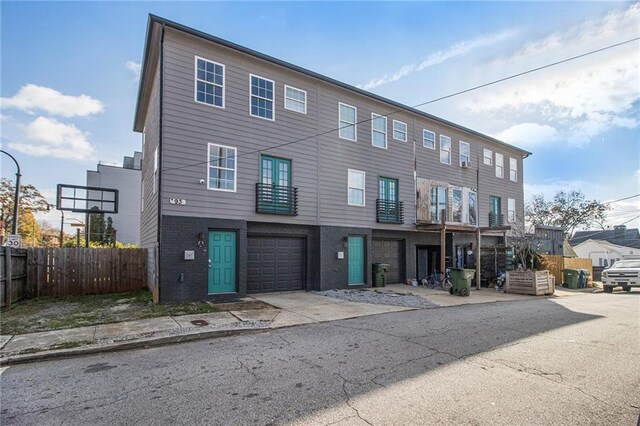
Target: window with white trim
x=262, y=97
x=221, y=168
x=295, y=99
x=347, y=115
x=445, y=149
x=513, y=169
x=499, y=165
x=155, y=170
x=209, y=82
x=465, y=154
x=378, y=130
x=428, y=139
x=488, y=157
x=399, y=131
x=356, y=181
x=511, y=209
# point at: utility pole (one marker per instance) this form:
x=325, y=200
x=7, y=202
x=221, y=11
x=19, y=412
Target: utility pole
x=62, y=228
x=16, y=200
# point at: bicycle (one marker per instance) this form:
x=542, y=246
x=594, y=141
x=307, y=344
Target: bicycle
x=435, y=281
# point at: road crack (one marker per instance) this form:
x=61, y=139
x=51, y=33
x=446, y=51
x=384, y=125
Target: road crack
x=348, y=400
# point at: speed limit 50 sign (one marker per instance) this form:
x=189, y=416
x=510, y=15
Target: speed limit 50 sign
x=14, y=241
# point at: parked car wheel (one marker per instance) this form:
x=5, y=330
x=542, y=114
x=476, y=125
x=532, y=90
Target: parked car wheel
x=608, y=289
x=627, y=288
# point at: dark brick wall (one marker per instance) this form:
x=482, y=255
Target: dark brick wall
x=334, y=272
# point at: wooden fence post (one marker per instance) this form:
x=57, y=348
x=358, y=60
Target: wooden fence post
x=8, y=287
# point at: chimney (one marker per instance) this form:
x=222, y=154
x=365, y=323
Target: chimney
x=619, y=230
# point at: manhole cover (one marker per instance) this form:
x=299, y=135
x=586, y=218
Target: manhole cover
x=199, y=323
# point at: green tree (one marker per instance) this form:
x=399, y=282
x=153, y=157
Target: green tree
x=31, y=202
x=109, y=232
x=96, y=227
x=569, y=210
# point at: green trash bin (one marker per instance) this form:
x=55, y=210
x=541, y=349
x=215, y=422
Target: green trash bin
x=380, y=274
x=570, y=278
x=461, y=281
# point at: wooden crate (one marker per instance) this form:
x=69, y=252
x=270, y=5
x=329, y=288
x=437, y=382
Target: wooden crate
x=536, y=283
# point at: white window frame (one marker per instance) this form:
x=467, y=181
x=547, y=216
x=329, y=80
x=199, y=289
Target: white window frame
x=443, y=137
x=286, y=98
x=364, y=187
x=155, y=170
x=195, y=82
x=499, y=165
x=344, y=123
x=424, y=132
x=488, y=157
x=403, y=132
x=374, y=117
x=511, y=213
x=273, y=101
x=468, y=160
x=513, y=169
x=235, y=169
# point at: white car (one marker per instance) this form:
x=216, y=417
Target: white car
x=624, y=273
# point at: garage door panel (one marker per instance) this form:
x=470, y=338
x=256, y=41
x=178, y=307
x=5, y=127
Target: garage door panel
x=391, y=252
x=275, y=264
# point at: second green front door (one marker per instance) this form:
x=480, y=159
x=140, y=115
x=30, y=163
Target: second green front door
x=222, y=262
x=356, y=260
x=275, y=174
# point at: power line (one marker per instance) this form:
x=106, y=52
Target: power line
x=622, y=199
x=611, y=46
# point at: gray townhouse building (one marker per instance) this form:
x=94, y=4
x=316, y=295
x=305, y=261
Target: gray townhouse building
x=259, y=175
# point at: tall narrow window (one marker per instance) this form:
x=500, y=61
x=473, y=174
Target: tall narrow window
x=347, y=121
x=428, y=139
x=295, y=99
x=356, y=188
x=445, y=149
x=261, y=97
x=222, y=168
x=456, y=200
x=155, y=170
x=465, y=154
x=438, y=205
x=513, y=169
x=209, y=82
x=488, y=157
x=511, y=210
x=378, y=130
x=399, y=131
x=499, y=165
x=473, y=209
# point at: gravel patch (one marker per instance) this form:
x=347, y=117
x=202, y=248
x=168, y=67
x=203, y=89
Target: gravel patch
x=381, y=297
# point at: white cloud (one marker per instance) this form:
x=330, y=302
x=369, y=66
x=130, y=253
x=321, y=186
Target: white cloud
x=32, y=97
x=528, y=135
x=134, y=67
x=51, y=138
x=459, y=49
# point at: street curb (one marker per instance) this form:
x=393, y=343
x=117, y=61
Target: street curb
x=138, y=344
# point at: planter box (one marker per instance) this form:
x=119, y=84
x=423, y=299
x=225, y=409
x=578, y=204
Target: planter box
x=536, y=283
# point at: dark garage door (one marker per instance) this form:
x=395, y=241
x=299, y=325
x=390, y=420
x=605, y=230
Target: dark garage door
x=275, y=264
x=389, y=251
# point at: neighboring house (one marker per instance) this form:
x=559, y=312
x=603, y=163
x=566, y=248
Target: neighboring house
x=619, y=235
x=603, y=253
x=126, y=180
x=549, y=239
x=259, y=175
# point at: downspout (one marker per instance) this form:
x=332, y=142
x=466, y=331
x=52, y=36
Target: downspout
x=161, y=90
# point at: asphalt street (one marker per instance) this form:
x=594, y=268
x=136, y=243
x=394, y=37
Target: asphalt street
x=570, y=360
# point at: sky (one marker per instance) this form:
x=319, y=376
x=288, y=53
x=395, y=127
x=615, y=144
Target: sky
x=69, y=78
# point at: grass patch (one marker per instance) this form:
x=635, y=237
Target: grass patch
x=45, y=313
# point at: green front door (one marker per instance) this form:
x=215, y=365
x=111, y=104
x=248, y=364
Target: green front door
x=275, y=175
x=388, y=195
x=222, y=262
x=356, y=260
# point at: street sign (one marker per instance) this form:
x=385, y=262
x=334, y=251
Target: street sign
x=14, y=241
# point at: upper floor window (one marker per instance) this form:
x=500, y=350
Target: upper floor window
x=356, y=188
x=399, y=131
x=473, y=207
x=511, y=209
x=428, y=139
x=438, y=204
x=295, y=99
x=499, y=165
x=378, y=130
x=445, y=149
x=513, y=169
x=261, y=97
x=465, y=154
x=347, y=121
x=222, y=168
x=488, y=157
x=209, y=82
x=457, y=204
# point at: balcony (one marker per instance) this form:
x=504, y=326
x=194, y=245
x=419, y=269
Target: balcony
x=274, y=199
x=496, y=220
x=389, y=211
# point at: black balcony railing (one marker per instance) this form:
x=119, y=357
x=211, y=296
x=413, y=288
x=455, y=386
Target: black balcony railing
x=274, y=199
x=496, y=219
x=389, y=211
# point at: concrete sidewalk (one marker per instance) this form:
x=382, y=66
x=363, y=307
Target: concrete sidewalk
x=291, y=308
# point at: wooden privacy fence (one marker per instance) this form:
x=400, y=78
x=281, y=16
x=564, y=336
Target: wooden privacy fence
x=13, y=275
x=555, y=264
x=57, y=272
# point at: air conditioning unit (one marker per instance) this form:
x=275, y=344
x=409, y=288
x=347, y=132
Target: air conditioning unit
x=465, y=164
